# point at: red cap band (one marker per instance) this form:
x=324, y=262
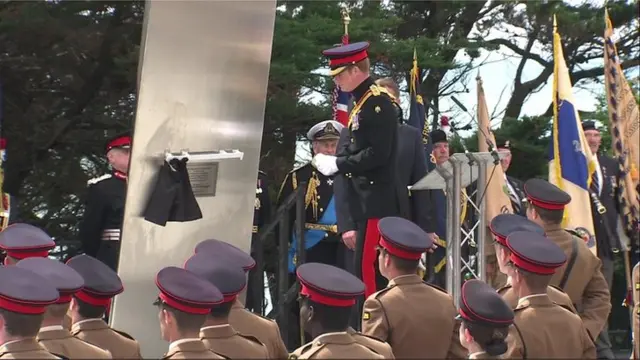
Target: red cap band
x=183, y=307
x=63, y=299
x=24, y=253
x=401, y=253
x=531, y=267
x=324, y=299
x=349, y=60
x=546, y=205
x=118, y=142
x=3, y=143
x=22, y=308
x=93, y=300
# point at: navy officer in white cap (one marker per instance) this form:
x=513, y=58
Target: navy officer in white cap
x=322, y=241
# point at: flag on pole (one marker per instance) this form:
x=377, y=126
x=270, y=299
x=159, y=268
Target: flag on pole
x=571, y=163
x=340, y=99
x=624, y=121
x=417, y=112
x=497, y=199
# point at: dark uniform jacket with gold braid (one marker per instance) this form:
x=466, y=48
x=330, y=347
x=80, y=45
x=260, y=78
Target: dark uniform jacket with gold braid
x=262, y=207
x=318, y=205
x=368, y=159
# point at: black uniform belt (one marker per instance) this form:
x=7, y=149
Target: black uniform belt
x=111, y=235
x=327, y=228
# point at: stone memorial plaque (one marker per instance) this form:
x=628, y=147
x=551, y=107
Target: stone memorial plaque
x=203, y=177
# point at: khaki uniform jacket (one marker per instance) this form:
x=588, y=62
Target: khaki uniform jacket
x=586, y=285
x=636, y=310
x=372, y=343
x=335, y=345
x=265, y=330
x=25, y=349
x=191, y=349
x=226, y=341
x=415, y=318
x=555, y=294
x=61, y=342
x=544, y=330
x=98, y=333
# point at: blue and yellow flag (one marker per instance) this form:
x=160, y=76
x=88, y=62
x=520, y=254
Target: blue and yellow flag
x=571, y=163
x=418, y=114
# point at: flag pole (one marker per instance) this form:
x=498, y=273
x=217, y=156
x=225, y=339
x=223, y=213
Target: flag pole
x=346, y=19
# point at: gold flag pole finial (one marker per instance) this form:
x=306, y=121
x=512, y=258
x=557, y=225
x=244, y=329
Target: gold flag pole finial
x=345, y=18
x=555, y=24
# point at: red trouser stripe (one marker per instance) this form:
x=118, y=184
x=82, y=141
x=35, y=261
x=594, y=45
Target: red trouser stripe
x=371, y=238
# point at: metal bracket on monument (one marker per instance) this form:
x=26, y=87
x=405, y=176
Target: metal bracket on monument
x=204, y=156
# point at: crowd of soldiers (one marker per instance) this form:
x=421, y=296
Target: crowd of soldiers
x=361, y=293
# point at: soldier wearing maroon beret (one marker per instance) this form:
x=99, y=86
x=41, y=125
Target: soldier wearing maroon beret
x=91, y=303
x=392, y=314
x=543, y=329
x=486, y=320
x=241, y=319
x=184, y=302
x=368, y=158
x=217, y=333
x=21, y=241
x=104, y=207
x=581, y=278
x=24, y=297
x=52, y=335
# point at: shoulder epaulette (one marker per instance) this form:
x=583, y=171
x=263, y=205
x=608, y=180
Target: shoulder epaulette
x=557, y=288
x=383, y=291
x=60, y=356
x=503, y=288
x=262, y=317
x=435, y=287
x=574, y=233
x=370, y=337
x=124, y=334
x=565, y=307
x=300, y=167
x=294, y=355
x=252, y=338
x=98, y=179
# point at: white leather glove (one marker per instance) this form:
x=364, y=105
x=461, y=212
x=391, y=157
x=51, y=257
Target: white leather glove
x=326, y=164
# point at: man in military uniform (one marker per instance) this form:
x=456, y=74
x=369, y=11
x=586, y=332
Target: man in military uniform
x=52, y=335
x=397, y=314
x=25, y=296
x=261, y=217
x=88, y=306
x=486, y=319
x=264, y=329
x=184, y=302
x=325, y=307
x=321, y=235
x=368, y=160
x=104, y=207
x=502, y=226
x=21, y=241
x=514, y=186
x=437, y=261
x=544, y=330
x=581, y=278
x=217, y=333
